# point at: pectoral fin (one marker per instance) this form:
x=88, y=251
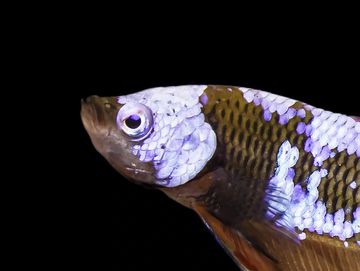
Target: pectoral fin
x=241, y=250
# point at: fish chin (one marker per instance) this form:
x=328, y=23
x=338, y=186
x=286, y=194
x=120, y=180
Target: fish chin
x=139, y=173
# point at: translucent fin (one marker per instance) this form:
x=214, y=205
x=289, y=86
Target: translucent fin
x=245, y=255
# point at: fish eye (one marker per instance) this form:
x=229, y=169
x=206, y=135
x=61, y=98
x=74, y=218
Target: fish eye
x=135, y=120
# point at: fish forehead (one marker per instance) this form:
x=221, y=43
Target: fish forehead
x=310, y=155
x=182, y=94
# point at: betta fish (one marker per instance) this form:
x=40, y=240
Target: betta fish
x=277, y=181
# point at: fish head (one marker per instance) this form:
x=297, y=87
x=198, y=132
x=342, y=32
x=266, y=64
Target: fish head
x=157, y=137
x=114, y=133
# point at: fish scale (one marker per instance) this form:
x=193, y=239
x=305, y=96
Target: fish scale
x=336, y=191
x=240, y=126
x=253, y=130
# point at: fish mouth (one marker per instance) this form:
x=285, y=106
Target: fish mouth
x=88, y=113
x=99, y=113
x=92, y=113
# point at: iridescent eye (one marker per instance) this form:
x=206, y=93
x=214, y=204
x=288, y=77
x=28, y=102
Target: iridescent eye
x=135, y=120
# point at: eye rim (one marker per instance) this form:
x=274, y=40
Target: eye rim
x=146, y=120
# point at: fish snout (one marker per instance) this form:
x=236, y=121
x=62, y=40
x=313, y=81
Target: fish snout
x=92, y=99
x=90, y=106
x=99, y=113
x=92, y=113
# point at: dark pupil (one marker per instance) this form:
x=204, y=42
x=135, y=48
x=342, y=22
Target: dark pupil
x=133, y=121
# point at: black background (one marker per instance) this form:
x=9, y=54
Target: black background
x=137, y=228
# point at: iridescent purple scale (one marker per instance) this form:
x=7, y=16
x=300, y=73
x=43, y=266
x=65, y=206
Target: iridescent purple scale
x=326, y=134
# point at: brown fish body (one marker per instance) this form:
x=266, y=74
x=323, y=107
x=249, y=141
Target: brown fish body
x=246, y=157
x=281, y=171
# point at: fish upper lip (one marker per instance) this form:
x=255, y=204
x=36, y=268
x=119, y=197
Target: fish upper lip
x=88, y=115
x=91, y=98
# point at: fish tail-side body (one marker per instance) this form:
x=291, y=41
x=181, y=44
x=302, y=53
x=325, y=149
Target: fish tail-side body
x=286, y=166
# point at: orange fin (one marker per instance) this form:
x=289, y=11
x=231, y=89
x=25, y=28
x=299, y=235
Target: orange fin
x=241, y=250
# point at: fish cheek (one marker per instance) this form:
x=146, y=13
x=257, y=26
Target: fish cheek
x=116, y=148
x=130, y=167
